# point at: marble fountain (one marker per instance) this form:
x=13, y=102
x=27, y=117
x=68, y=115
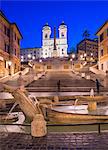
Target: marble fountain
x=76, y=113
x=59, y=114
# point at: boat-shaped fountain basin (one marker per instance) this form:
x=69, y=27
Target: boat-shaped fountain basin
x=78, y=113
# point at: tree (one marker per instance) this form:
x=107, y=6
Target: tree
x=86, y=34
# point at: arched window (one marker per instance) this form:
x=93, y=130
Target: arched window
x=62, y=34
x=46, y=36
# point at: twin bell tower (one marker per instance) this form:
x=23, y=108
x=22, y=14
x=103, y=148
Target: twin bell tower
x=54, y=47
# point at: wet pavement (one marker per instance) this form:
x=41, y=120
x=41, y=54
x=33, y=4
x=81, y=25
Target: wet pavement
x=54, y=141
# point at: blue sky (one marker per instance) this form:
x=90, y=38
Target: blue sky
x=30, y=17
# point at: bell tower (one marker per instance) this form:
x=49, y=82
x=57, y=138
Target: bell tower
x=46, y=31
x=46, y=37
x=63, y=31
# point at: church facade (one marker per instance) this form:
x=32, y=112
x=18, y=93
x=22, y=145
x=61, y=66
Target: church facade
x=51, y=47
x=54, y=47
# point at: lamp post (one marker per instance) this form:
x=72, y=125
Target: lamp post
x=9, y=65
x=29, y=57
x=73, y=57
x=81, y=57
x=33, y=57
x=85, y=55
x=71, y=62
x=40, y=60
x=91, y=59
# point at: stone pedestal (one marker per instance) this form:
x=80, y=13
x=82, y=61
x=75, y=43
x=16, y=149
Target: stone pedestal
x=56, y=99
x=92, y=106
x=55, y=53
x=38, y=126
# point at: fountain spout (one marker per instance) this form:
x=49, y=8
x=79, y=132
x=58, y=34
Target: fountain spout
x=14, y=105
x=75, y=103
x=91, y=93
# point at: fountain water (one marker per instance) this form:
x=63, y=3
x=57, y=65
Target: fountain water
x=75, y=103
x=9, y=115
x=14, y=105
x=91, y=93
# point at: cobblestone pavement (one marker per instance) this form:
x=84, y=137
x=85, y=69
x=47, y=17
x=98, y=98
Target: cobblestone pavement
x=54, y=141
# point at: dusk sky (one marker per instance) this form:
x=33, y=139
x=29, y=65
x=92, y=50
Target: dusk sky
x=30, y=16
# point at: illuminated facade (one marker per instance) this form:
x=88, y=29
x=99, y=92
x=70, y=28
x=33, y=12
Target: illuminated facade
x=10, y=37
x=87, y=49
x=54, y=47
x=28, y=54
x=102, y=34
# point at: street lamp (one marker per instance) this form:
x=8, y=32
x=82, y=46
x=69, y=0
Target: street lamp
x=22, y=58
x=91, y=54
x=29, y=56
x=81, y=57
x=85, y=56
x=40, y=60
x=71, y=62
x=73, y=56
x=9, y=64
x=33, y=57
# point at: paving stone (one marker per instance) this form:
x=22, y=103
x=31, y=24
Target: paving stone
x=60, y=141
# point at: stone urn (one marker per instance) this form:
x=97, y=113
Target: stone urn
x=38, y=126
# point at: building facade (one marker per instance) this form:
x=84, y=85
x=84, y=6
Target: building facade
x=28, y=54
x=87, y=49
x=102, y=34
x=10, y=37
x=54, y=47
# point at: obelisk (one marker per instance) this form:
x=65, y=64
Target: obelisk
x=55, y=48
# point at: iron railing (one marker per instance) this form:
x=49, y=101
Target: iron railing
x=55, y=125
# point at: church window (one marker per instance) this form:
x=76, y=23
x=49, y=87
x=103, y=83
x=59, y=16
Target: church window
x=62, y=50
x=62, y=34
x=46, y=36
x=45, y=53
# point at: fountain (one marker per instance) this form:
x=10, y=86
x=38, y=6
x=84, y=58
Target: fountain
x=31, y=109
x=65, y=114
x=91, y=93
x=80, y=113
